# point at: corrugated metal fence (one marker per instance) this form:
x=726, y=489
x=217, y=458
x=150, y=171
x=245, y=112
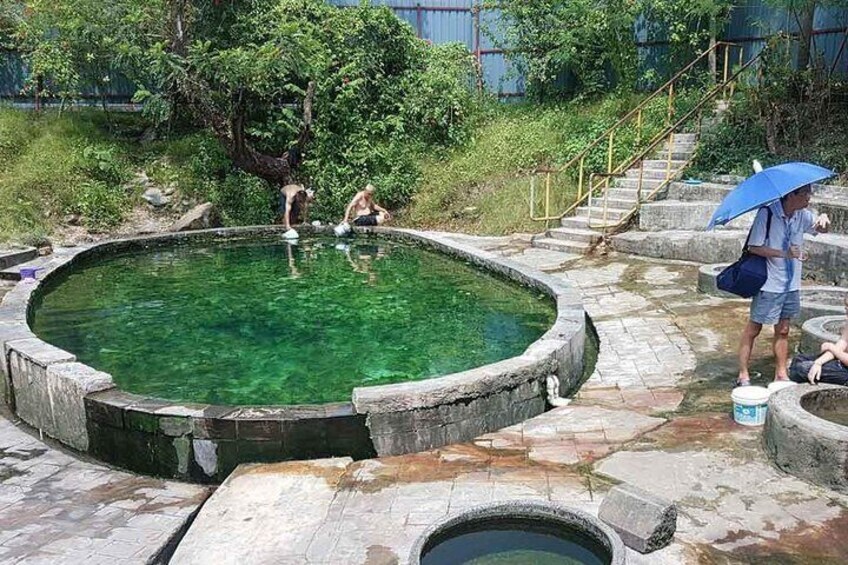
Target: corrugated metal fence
x=477, y=27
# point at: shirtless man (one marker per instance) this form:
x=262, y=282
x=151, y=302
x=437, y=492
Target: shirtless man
x=294, y=201
x=367, y=212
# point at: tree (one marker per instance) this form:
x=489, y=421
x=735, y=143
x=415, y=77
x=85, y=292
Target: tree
x=804, y=11
x=592, y=39
x=265, y=76
x=689, y=25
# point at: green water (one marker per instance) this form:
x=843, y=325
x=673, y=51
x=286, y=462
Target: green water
x=277, y=323
x=515, y=542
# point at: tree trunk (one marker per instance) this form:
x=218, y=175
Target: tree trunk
x=229, y=126
x=805, y=28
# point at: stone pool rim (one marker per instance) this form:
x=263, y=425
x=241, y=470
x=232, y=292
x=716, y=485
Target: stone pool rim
x=804, y=444
x=550, y=512
x=398, y=418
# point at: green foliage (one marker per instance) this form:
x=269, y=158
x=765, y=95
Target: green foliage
x=687, y=25
x=382, y=97
x=244, y=200
x=484, y=187
x=101, y=204
x=786, y=115
x=591, y=39
x=53, y=165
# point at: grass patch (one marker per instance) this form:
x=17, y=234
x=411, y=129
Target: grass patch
x=484, y=187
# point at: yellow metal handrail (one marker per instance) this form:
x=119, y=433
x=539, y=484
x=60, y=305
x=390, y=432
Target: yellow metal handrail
x=666, y=135
x=579, y=160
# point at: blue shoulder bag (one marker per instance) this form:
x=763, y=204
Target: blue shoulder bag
x=748, y=274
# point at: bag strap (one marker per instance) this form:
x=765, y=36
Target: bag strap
x=768, y=230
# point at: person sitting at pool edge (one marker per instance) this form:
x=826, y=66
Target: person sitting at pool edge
x=831, y=367
x=294, y=204
x=367, y=212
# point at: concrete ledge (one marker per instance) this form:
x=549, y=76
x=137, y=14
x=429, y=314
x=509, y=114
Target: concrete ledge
x=205, y=443
x=528, y=511
x=677, y=215
x=801, y=443
x=696, y=246
x=12, y=257
x=817, y=301
x=827, y=253
x=816, y=331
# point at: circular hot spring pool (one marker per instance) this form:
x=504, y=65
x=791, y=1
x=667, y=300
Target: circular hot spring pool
x=185, y=355
x=274, y=322
x=519, y=533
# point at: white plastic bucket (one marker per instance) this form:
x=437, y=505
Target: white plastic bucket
x=750, y=404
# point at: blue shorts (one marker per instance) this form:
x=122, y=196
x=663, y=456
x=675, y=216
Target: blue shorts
x=768, y=308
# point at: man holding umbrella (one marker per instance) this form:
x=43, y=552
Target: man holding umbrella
x=782, y=245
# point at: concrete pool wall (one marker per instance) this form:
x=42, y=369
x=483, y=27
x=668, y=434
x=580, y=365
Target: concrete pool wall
x=803, y=444
x=82, y=408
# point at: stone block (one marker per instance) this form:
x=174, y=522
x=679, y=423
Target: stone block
x=67, y=386
x=10, y=331
x=51, y=398
x=644, y=521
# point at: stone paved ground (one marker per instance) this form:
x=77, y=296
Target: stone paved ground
x=654, y=413
x=56, y=508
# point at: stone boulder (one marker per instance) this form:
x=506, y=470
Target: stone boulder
x=202, y=216
x=644, y=521
x=155, y=198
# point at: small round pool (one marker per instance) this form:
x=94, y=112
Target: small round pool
x=520, y=533
x=806, y=433
x=272, y=322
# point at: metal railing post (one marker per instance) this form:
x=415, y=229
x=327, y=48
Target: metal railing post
x=639, y=127
x=580, y=179
x=670, y=104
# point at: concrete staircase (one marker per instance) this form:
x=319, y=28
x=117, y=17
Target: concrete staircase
x=674, y=228
x=577, y=235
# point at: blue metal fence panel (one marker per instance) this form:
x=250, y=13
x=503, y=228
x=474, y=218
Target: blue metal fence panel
x=442, y=21
x=12, y=74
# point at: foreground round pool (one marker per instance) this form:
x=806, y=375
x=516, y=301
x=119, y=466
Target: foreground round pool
x=519, y=533
x=270, y=322
x=515, y=542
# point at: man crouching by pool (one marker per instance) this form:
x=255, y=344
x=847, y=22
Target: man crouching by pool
x=366, y=212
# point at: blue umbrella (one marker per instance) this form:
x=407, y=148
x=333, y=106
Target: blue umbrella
x=765, y=187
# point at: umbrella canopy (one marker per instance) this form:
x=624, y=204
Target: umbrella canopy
x=765, y=187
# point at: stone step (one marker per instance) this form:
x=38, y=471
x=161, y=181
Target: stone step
x=650, y=173
x=660, y=164
x=577, y=247
x=686, y=137
x=16, y=255
x=582, y=235
x=626, y=203
x=722, y=246
x=582, y=222
x=597, y=213
x=704, y=192
x=676, y=155
x=677, y=215
x=827, y=254
x=631, y=184
x=13, y=273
